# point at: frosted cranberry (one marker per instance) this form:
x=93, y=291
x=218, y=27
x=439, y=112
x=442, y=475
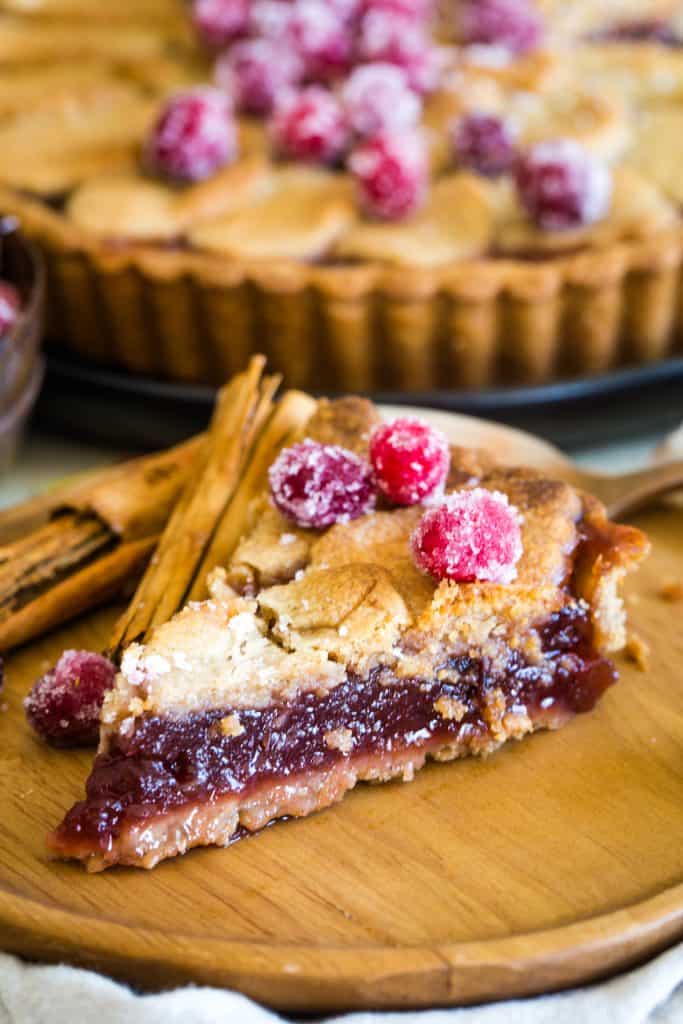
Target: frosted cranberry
x=219, y=22
x=377, y=99
x=471, y=535
x=194, y=136
x=513, y=24
x=561, y=185
x=64, y=705
x=269, y=18
x=311, y=126
x=319, y=35
x=484, y=143
x=391, y=175
x=10, y=307
x=410, y=460
x=255, y=72
x=316, y=485
x=390, y=37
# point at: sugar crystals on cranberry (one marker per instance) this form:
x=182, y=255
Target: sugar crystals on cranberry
x=410, y=460
x=484, y=143
x=390, y=172
x=318, y=33
x=472, y=535
x=391, y=37
x=255, y=72
x=377, y=98
x=194, y=136
x=514, y=25
x=310, y=126
x=219, y=22
x=562, y=185
x=64, y=705
x=317, y=485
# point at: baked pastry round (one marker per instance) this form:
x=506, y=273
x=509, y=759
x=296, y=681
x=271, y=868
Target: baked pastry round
x=464, y=271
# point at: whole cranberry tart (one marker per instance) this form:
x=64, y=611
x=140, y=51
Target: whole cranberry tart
x=383, y=193
x=394, y=599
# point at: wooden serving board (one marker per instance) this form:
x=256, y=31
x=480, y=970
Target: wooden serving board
x=557, y=861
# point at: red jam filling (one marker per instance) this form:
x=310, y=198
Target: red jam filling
x=170, y=762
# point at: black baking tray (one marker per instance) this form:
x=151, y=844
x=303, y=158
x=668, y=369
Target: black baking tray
x=110, y=407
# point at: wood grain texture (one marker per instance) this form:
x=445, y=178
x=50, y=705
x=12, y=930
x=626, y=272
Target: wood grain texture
x=556, y=861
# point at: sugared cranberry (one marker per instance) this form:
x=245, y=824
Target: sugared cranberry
x=255, y=72
x=194, y=136
x=269, y=18
x=10, y=307
x=219, y=22
x=64, y=705
x=316, y=485
x=390, y=37
x=391, y=175
x=310, y=125
x=471, y=535
x=513, y=24
x=484, y=143
x=319, y=35
x=410, y=460
x=377, y=99
x=561, y=185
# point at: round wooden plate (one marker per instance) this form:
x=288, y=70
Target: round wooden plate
x=557, y=861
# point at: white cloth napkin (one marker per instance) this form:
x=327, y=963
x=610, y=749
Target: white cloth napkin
x=63, y=995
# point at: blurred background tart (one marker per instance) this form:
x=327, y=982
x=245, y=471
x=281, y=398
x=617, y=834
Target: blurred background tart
x=382, y=194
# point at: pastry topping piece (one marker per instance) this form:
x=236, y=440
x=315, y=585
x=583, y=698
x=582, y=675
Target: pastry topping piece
x=193, y=137
x=378, y=99
x=219, y=22
x=391, y=37
x=255, y=72
x=64, y=705
x=316, y=485
x=472, y=535
x=513, y=24
x=311, y=126
x=484, y=143
x=410, y=459
x=318, y=33
x=391, y=175
x=10, y=305
x=562, y=185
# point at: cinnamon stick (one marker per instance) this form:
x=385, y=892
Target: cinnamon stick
x=58, y=547
x=283, y=428
x=242, y=409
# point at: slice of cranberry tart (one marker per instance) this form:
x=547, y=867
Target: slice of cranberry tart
x=354, y=634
